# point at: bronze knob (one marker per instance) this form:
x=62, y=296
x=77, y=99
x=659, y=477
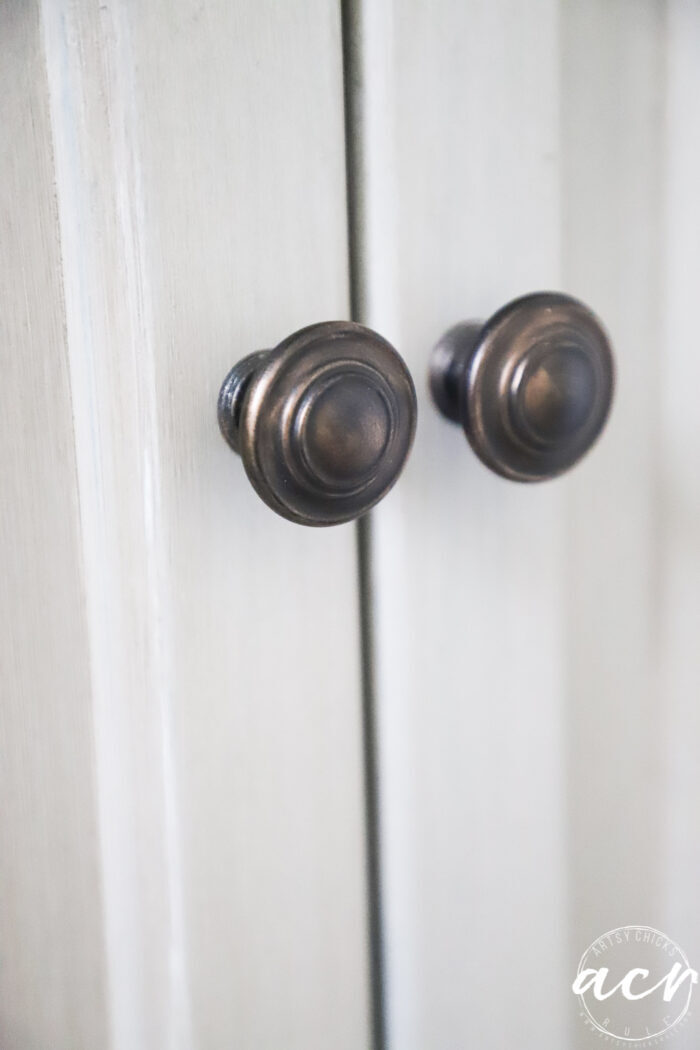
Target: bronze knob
x=532, y=387
x=323, y=423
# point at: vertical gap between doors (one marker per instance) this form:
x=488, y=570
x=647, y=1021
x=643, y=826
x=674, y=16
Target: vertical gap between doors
x=355, y=190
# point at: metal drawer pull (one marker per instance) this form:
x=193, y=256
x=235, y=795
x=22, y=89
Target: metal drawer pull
x=532, y=387
x=323, y=423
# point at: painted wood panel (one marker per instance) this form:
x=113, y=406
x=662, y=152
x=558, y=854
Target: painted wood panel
x=462, y=159
x=614, y=69
x=182, y=166
x=53, y=980
x=535, y=670
x=679, y=482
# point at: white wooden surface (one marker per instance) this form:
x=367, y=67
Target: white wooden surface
x=53, y=979
x=181, y=847
x=536, y=646
x=615, y=64
x=679, y=474
x=181, y=842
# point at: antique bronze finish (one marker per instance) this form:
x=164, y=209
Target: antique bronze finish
x=323, y=423
x=532, y=387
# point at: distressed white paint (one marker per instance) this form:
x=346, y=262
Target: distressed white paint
x=535, y=645
x=198, y=159
x=181, y=856
x=52, y=959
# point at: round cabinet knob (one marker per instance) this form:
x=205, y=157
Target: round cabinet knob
x=532, y=387
x=323, y=423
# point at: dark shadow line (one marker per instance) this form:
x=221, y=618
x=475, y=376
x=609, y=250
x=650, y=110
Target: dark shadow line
x=355, y=172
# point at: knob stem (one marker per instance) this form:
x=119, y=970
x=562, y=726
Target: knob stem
x=231, y=396
x=449, y=364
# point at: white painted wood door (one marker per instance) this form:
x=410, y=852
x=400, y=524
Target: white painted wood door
x=182, y=846
x=189, y=857
x=537, y=657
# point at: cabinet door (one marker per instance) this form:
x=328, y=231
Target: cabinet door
x=537, y=663
x=181, y=846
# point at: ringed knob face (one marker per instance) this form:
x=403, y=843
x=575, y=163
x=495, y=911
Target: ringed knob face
x=533, y=386
x=325, y=422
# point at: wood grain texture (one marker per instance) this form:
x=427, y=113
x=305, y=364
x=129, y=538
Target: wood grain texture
x=52, y=962
x=536, y=675
x=198, y=155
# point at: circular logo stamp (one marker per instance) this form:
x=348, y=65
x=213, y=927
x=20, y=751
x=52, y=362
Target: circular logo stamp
x=634, y=984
